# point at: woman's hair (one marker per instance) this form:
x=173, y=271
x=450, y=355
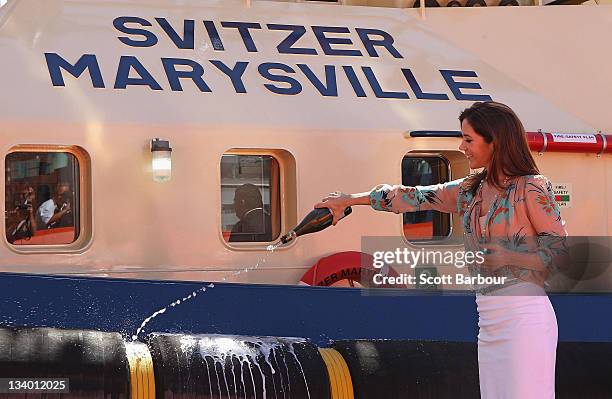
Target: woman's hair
x=497, y=123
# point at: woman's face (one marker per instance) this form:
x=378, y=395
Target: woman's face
x=478, y=152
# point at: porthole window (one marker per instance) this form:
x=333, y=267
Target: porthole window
x=250, y=198
x=42, y=198
x=425, y=225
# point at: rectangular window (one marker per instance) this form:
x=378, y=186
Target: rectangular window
x=41, y=198
x=423, y=171
x=250, y=198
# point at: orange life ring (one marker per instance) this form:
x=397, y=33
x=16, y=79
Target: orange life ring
x=353, y=266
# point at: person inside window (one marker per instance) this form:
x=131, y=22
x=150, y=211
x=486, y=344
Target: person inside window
x=57, y=210
x=254, y=223
x=22, y=223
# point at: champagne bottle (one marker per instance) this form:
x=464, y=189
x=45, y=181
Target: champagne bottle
x=317, y=220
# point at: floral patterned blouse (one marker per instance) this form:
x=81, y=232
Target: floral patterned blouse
x=524, y=218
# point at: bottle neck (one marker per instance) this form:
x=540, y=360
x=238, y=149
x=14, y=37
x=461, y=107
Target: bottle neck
x=290, y=236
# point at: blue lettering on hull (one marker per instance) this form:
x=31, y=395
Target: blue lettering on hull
x=278, y=78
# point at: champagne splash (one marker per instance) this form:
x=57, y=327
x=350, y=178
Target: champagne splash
x=270, y=250
x=171, y=305
x=318, y=219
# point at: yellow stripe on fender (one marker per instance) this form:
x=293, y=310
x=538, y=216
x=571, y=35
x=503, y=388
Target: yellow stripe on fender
x=142, y=380
x=340, y=382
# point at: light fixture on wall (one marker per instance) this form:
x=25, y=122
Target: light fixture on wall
x=161, y=160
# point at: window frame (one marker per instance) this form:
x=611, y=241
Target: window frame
x=444, y=240
x=84, y=234
x=287, y=193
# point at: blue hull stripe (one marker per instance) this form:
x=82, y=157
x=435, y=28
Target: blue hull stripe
x=319, y=313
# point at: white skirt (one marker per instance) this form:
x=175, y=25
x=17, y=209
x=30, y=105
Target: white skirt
x=517, y=343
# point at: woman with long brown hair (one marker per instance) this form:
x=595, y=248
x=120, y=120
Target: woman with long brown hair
x=509, y=213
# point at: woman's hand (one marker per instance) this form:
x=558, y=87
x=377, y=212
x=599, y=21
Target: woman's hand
x=336, y=202
x=497, y=256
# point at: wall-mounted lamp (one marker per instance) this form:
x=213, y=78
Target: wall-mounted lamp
x=161, y=160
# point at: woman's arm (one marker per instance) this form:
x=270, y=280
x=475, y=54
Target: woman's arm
x=398, y=199
x=496, y=256
x=545, y=217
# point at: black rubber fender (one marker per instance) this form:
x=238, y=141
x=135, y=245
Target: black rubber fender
x=390, y=369
x=584, y=370
x=223, y=366
x=94, y=362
